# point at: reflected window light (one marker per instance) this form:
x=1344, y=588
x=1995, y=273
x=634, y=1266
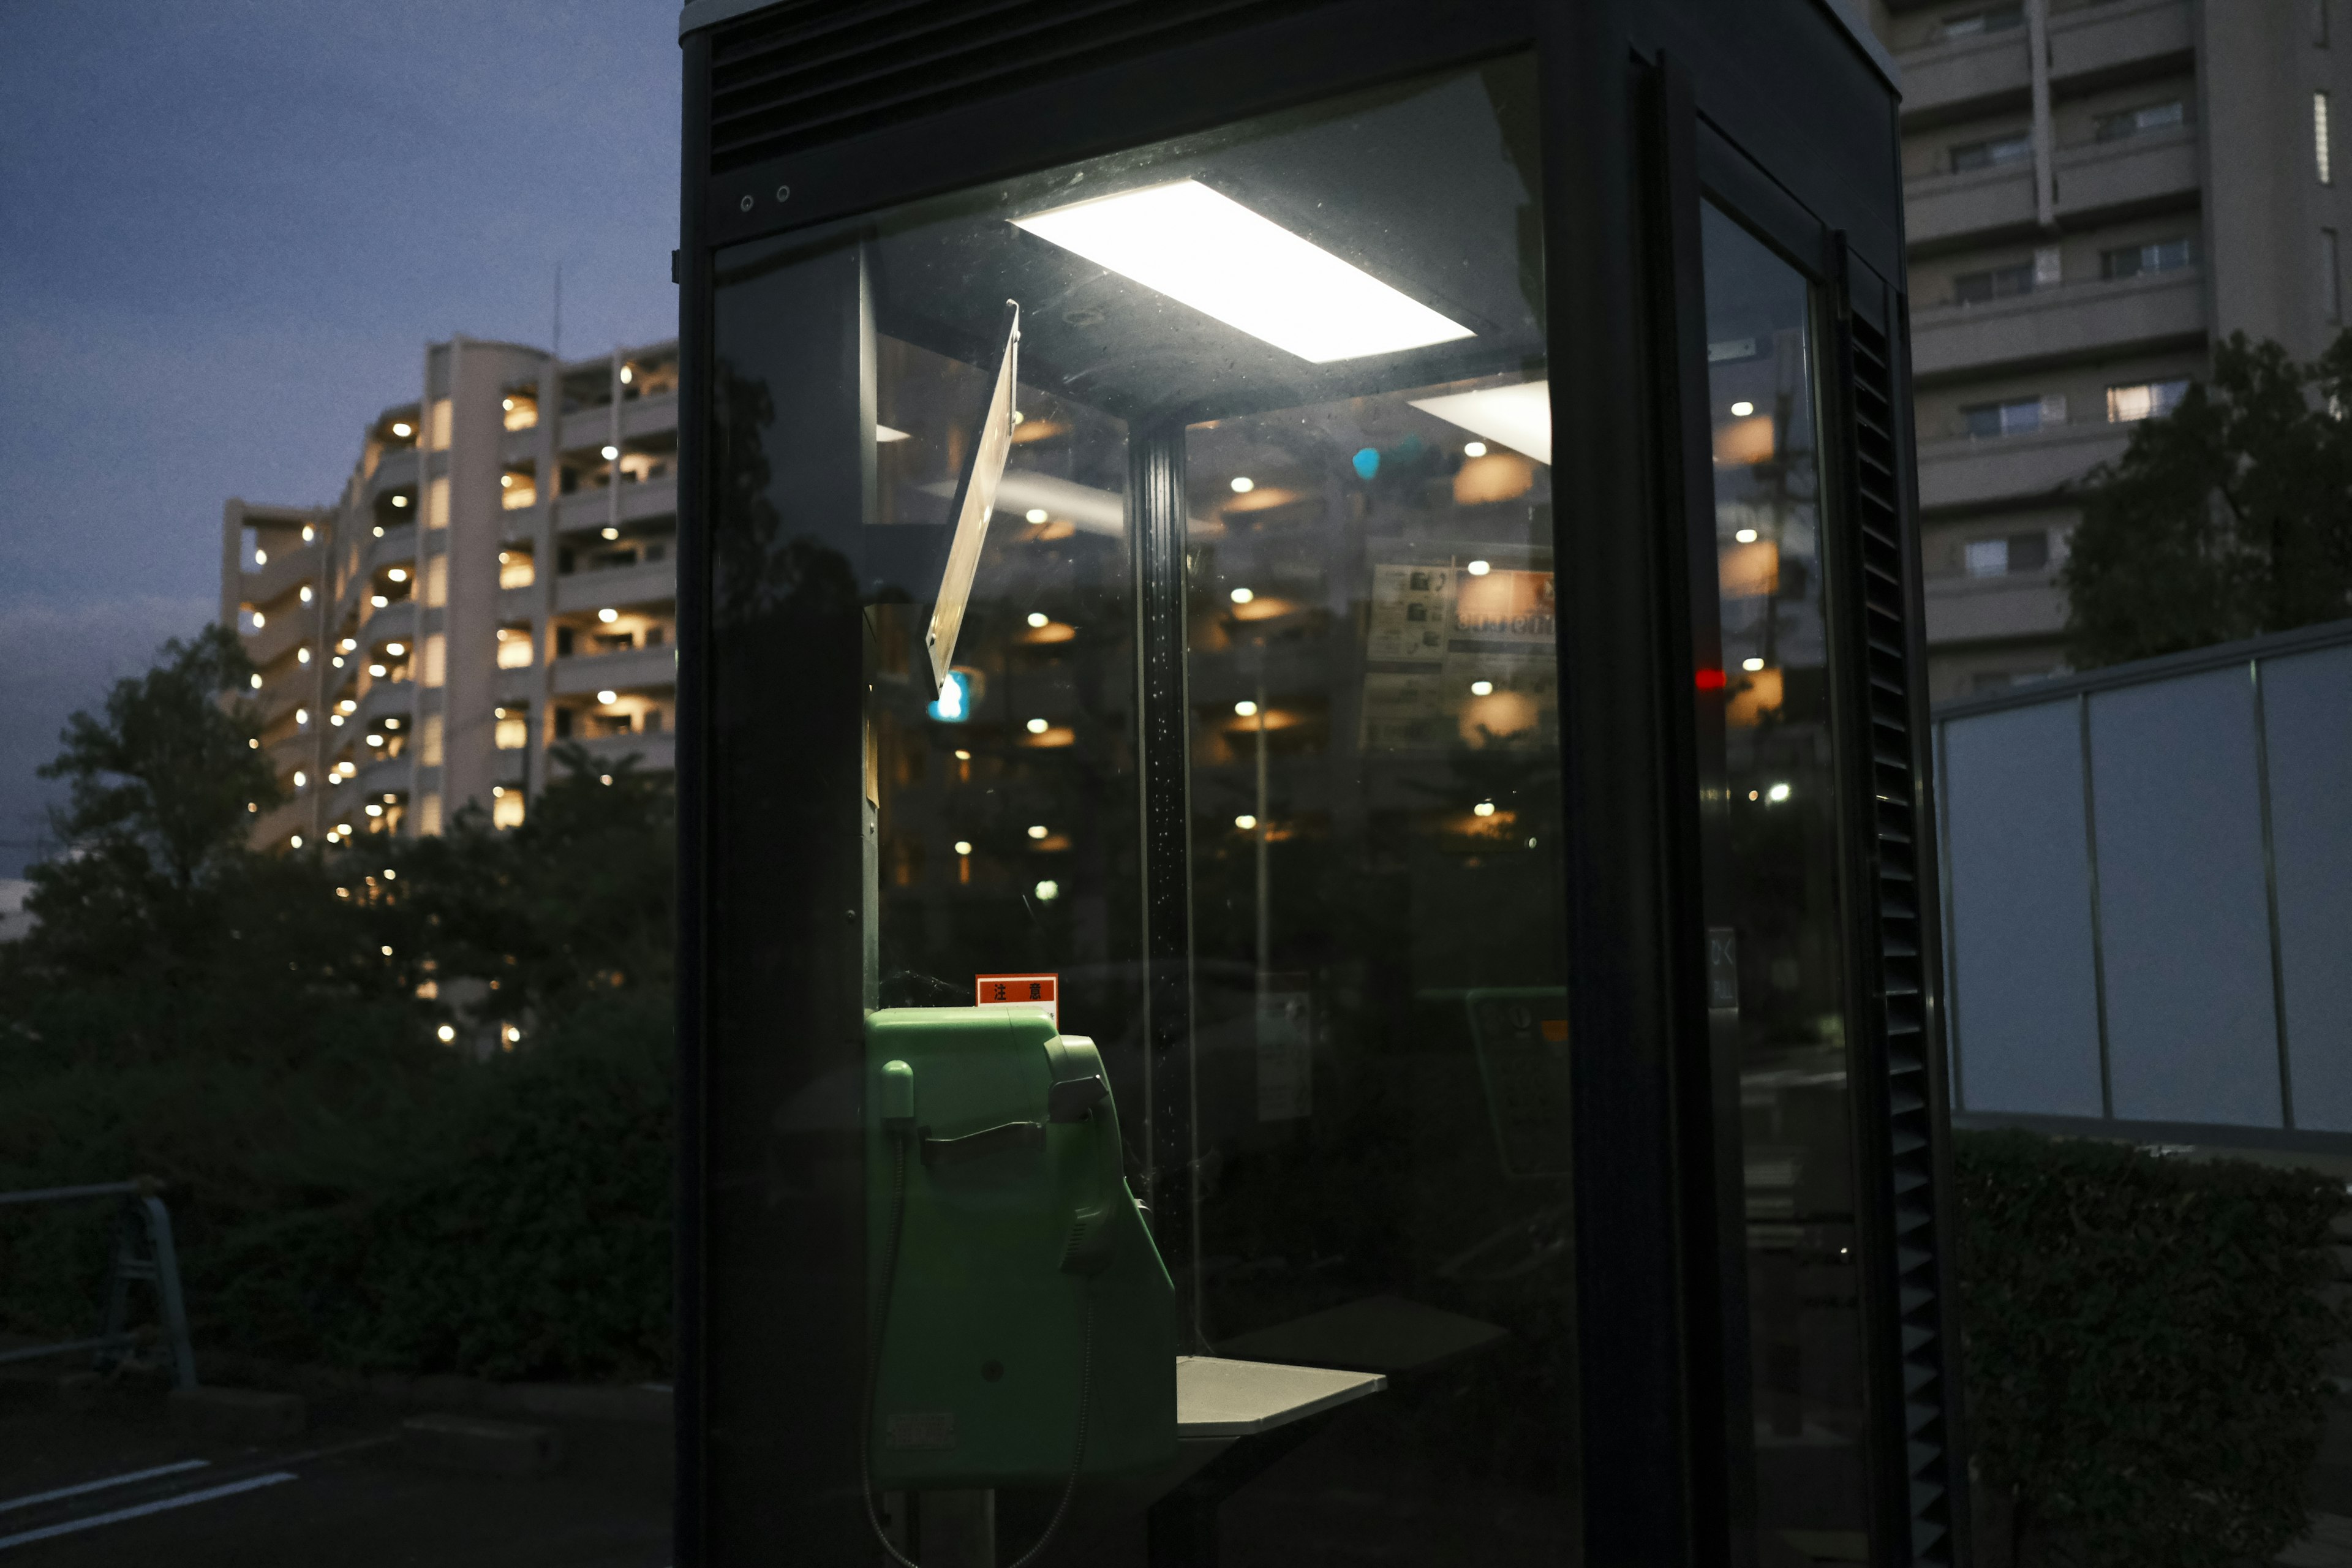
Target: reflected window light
x=1778, y=792
x=1047, y=891
x=963, y=846
x=1482, y=689
x=1036, y=515
x=1474, y=449
x=1245, y=821
x=1745, y=536
x=1484, y=808
x=883, y=433
x=1038, y=726
x=1243, y=484
x=954, y=703
x=1742, y=409
x=1243, y=595
x=1037, y=619
x=962, y=757
x=1478, y=568
x=1038, y=830
x=1245, y=708
x=1751, y=664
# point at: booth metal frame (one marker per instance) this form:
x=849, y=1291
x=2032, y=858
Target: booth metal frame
x=1782, y=113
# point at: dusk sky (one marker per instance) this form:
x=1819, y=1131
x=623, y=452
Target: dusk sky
x=227, y=231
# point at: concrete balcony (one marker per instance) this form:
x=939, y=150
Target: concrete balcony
x=385, y=776
x=517, y=686
x=655, y=749
x=643, y=415
x=395, y=698
x=654, y=498
x=2096, y=44
x=295, y=749
x=393, y=623
x=589, y=427
x=2112, y=178
x=275, y=828
x=510, y=766
x=1941, y=208
x=518, y=446
x=2078, y=321
x=280, y=634
x=638, y=669
x=518, y=604
x=618, y=587
x=397, y=471
x=1994, y=609
x=1965, y=472
x=584, y=508
x=1961, y=78
x=286, y=571
x=397, y=547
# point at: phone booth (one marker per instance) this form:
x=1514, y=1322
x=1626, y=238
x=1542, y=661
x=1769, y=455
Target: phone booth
x=1308, y=925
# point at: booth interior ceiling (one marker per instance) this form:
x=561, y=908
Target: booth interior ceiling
x=814, y=70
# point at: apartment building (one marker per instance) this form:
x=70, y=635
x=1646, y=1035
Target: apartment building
x=498, y=576
x=2095, y=193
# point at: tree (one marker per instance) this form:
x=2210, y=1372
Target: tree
x=2230, y=517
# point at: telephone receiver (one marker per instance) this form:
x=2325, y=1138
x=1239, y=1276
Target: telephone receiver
x=1076, y=1092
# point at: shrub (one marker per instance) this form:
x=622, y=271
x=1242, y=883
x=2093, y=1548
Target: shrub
x=2144, y=1338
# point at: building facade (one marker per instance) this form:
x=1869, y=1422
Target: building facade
x=495, y=578
x=2094, y=194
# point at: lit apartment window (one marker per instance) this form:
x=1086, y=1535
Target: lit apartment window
x=512, y=734
x=2141, y=121
x=514, y=648
x=2018, y=417
x=1994, y=283
x=517, y=489
x=521, y=410
x=2145, y=400
x=2319, y=137
x=506, y=810
x=2012, y=553
x=515, y=569
x=2016, y=148
x=1971, y=24
x=2156, y=255
x=2331, y=276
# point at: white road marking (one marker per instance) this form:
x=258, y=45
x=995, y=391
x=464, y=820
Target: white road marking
x=119, y=1515
x=122, y=1480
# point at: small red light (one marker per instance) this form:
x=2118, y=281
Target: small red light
x=1710, y=680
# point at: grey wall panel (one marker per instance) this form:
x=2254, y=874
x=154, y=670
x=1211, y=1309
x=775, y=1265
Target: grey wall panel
x=2026, y=1012
x=2184, y=914
x=2307, y=699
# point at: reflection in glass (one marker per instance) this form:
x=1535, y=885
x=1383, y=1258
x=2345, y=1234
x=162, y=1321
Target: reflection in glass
x=1309, y=351
x=1778, y=980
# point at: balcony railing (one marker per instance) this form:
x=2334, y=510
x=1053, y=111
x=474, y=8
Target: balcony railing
x=636, y=669
x=1967, y=472
x=2073, y=320
x=648, y=583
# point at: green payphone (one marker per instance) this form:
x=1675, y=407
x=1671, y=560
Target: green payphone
x=1026, y=1327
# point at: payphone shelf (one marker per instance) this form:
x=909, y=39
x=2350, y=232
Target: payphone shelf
x=1221, y=1398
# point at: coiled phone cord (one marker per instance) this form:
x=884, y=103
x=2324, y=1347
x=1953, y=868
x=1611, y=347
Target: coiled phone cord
x=873, y=1380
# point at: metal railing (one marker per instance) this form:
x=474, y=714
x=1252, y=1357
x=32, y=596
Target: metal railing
x=143, y=1252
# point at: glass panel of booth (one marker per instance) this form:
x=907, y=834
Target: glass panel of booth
x=1775, y=973
x=1327, y=325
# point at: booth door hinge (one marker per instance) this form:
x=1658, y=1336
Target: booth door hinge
x=673, y=266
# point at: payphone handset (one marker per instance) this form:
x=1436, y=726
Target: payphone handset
x=1024, y=1331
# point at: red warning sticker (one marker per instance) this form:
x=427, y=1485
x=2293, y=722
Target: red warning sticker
x=1043, y=989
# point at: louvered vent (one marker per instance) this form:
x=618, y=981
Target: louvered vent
x=817, y=70
x=1903, y=974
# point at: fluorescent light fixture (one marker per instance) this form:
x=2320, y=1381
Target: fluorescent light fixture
x=963, y=846
x=883, y=433
x=1039, y=619
x=1751, y=664
x=1246, y=708
x=1518, y=417
x=1206, y=250
x=1482, y=689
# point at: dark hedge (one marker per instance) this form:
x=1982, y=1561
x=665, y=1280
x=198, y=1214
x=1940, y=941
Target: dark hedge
x=2144, y=1338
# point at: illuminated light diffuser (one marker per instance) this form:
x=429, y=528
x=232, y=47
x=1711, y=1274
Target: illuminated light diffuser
x=1208, y=251
x=1518, y=417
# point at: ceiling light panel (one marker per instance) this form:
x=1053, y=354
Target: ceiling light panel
x=1206, y=250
